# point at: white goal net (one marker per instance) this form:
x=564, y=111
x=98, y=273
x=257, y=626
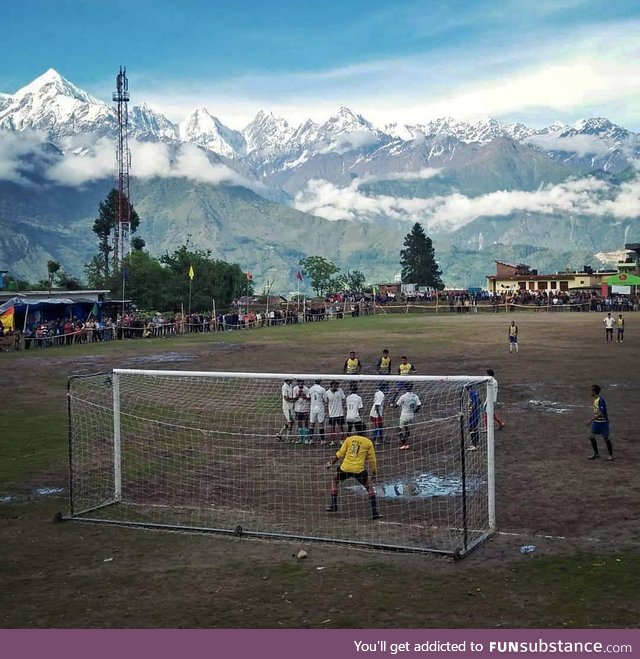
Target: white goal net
x=249, y=454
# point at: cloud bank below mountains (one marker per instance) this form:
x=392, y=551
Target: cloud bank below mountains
x=25, y=156
x=85, y=160
x=581, y=145
x=589, y=196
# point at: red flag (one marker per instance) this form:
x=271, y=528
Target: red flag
x=299, y=275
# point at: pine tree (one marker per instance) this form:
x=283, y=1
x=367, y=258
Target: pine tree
x=418, y=260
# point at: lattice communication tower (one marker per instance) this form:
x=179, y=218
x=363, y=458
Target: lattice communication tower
x=123, y=157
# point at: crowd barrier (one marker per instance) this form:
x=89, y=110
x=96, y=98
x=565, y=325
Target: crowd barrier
x=180, y=328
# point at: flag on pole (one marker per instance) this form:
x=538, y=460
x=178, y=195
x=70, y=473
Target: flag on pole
x=95, y=310
x=6, y=317
x=249, y=277
x=191, y=272
x=299, y=275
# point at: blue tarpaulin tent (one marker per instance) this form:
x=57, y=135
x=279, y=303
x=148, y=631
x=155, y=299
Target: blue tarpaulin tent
x=29, y=310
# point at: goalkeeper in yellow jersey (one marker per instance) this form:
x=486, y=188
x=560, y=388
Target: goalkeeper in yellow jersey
x=357, y=452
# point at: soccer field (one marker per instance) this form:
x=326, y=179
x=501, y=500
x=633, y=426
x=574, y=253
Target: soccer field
x=581, y=515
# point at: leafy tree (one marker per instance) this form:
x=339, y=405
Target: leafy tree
x=320, y=272
x=105, y=225
x=137, y=244
x=53, y=267
x=146, y=281
x=69, y=283
x=353, y=281
x=418, y=260
x=213, y=279
x=94, y=273
x=14, y=284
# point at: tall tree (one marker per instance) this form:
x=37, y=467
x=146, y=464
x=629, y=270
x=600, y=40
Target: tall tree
x=320, y=272
x=212, y=279
x=418, y=260
x=53, y=267
x=353, y=281
x=104, y=227
x=94, y=273
x=69, y=282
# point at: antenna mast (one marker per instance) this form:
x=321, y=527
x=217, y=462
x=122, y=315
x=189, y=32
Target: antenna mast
x=123, y=157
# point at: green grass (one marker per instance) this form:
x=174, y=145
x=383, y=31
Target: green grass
x=37, y=448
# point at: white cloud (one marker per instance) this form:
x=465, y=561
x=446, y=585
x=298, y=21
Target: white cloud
x=188, y=161
x=627, y=203
x=96, y=162
x=447, y=213
x=574, y=72
x=356, y=139
x=581, y=145
x=16, y=150
x=420, y=175
x=85, y=160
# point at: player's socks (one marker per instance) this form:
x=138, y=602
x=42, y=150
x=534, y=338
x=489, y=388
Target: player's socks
x=374, y=507
x=609, y=447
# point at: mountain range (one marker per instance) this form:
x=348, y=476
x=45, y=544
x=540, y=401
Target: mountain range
x=271, y=193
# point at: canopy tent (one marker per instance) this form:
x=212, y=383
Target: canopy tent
x=38, y=310
x=622, y=279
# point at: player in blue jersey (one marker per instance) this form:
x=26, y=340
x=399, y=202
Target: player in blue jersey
x=599, y=424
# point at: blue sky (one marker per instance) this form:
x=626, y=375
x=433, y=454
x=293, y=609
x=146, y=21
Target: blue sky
x=404, y=60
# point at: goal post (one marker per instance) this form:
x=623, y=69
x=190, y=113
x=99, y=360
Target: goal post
x=247, y=454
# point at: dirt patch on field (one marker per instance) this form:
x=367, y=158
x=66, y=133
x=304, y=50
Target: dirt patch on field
x=547, y=493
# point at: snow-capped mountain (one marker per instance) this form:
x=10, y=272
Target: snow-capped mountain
x=591, y=144
x=481, y=132
x=205, y=130
x=145, y=123
x=267, y=134
x=343, y=131
x=53, y=105
x=389, y=172
x=345, y=145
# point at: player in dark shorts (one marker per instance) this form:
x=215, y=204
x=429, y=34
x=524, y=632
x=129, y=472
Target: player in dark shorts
x=599, y=424
x=357, y=452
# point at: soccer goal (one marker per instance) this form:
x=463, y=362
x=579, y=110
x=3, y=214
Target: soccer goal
x=216, y=452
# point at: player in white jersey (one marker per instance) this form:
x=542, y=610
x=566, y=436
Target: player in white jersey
x=335, y=403
x=301, y=407
x=409, y=405
x=287, y=410
x=318, y=403
x=354, y=405
x=377, y=412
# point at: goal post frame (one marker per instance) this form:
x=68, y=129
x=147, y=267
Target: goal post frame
x=117, y=440
x=486, y=383
x=307, y=376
